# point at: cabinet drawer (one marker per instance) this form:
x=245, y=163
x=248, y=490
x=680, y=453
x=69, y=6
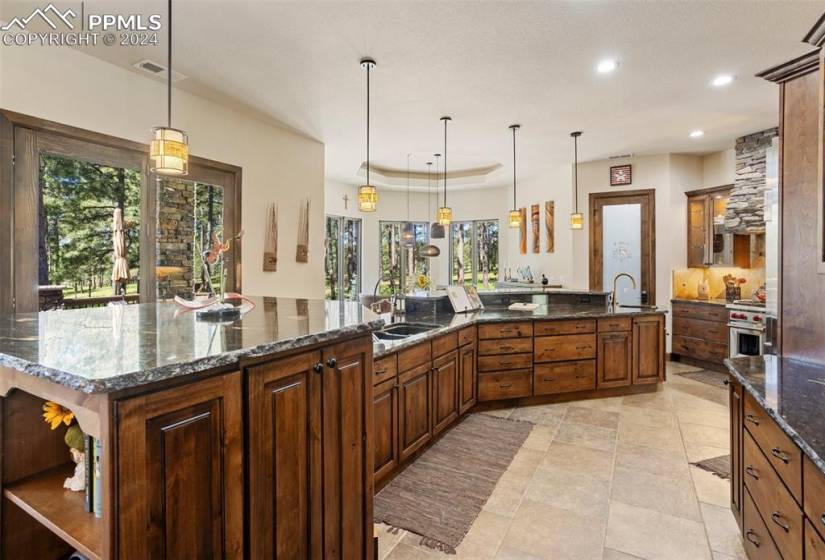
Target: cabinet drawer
x=504, y=385
x=384, y=368
x=814, y=494
x=699, y=349
x=814, y=544
x=699, y=328
x=415, y=356
x=444, y=344
x=755, y=536
x=505, y=346
x=564, y=377
x=564, y=327
x=706, y=311
x=565, y=348
x=505, y=361
x=466, y=336
x=505, y=330
x=615, y=324
x=781, y=514
x=781, y=452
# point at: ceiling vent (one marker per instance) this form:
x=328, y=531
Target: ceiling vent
x=157, y=69
x=621, y=156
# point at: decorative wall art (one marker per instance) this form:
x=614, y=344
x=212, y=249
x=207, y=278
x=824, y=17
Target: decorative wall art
x=534, y=220
x=271, y=240
x=620, y=175
x=549, y=225
x=302, y=251
x=523, y=231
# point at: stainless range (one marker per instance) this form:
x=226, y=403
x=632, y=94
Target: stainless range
x=746, y=324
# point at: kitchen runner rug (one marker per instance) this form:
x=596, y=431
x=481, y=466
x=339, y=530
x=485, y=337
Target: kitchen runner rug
x=442, y=492
x=720, y=466
x=706, y=376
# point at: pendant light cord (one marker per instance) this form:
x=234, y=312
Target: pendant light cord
x=368, y=124
x=514, y=168
x=169, y=72
x=576, y=170
x=429, y=190
x=445, y=162
x=408, y=187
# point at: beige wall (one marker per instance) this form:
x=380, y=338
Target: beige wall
x=280, y=166
x=719, y=168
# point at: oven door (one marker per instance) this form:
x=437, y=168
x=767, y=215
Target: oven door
x=745, y=341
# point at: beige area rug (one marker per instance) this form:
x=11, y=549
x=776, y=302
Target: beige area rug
x=440, y=494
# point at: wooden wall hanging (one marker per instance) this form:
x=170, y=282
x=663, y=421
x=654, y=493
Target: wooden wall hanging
x=549, y=225
x=534, y=219
x=271, y=240
x=523, y=231
x=302, y=251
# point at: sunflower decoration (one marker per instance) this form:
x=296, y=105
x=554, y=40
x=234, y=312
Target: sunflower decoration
x=422, y=281
x=54, y=415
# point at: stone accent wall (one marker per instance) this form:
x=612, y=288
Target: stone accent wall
x=745, y=211
x=175, y=236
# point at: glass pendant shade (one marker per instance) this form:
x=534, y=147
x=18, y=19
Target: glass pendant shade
x=515, y=218
x=576, y=221
x=430, y=251
x=367, y=198
x=437, y=231
x=445, y=215
x=169, y=151
x=407, y=235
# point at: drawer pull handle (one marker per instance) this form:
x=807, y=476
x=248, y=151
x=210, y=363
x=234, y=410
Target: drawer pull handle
x=506, y=348
x=587, y=347
x=505, y=385
x=380, y=371
x=776, y=452
x=506, y=362
x=822, y=519
x=752, y=419
x=549, y=379
x=752, y=471
x=777, y=518
x=751, y=536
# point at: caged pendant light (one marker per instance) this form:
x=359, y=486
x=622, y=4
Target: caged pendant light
x=437, y=230
x=445, y=213
x=408, y=230
x=367, y=194
x=430, y=250
x=515, y=214
x=576, y=218
x=169, y=150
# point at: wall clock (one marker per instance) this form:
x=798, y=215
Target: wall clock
x=620, y=175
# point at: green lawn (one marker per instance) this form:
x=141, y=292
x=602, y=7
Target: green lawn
x=105, y=291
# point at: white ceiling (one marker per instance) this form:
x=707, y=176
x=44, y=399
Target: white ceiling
x=487, y=64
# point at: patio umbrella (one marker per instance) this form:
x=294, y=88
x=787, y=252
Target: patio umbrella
x=120, y=269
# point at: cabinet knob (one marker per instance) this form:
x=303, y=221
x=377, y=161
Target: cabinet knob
x=331, y=362
x=726, y=381
x=319, y=367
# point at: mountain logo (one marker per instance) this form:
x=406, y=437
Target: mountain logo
x=43, y=14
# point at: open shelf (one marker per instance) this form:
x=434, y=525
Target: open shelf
x=42, y=496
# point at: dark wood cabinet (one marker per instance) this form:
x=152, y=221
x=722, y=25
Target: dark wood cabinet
x=736, y=487
x=414, y=416
x=445, y=391
x=700, y=333
x=648, y=349
x=467, y=379
x=614, y=359
x=709, y=244
x=697, y=220
x=385, y=422
x=180, y=467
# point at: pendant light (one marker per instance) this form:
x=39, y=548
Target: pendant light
x=515, y=215
x=576, y=218
x=367, y=194
x=430, y=250
x=445, y=213
x=408, y=231
x=169, y=150
x=437, y=230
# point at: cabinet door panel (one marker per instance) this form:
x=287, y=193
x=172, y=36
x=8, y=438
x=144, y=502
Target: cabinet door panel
x=385, y=422
x=445, y=391
x=735, y=404
x=283, y=405
x=648, y=349
x=614, y=360
x=467, y=377
x=180, y=467
x=698, y=213
x=414, y=414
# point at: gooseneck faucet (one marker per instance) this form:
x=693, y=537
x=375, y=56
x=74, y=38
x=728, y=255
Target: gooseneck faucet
x=614, y=301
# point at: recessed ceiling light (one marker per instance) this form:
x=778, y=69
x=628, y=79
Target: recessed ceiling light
x=697, y=133
x=722, y=80
x=607, y=65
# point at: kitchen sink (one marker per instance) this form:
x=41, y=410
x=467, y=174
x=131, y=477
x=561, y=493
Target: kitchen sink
x=403, y=330
x=637, y=306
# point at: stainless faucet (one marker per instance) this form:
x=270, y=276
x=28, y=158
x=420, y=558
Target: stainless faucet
x=614, y=301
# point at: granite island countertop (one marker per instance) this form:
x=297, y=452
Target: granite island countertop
x=449, y=322
x=721, y=302
x=793, y=393
x=106, y=349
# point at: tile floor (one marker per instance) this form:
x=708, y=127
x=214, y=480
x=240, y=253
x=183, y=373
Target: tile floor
x=607, y=479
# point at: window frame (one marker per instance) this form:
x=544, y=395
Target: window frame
x=473, y=248
x=403, y=268
x=340, y=246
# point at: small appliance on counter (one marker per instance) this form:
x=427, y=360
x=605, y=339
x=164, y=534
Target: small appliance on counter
x=746, y=324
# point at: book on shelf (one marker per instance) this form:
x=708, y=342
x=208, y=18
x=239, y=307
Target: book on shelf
x=97, y=475
x=87, y=464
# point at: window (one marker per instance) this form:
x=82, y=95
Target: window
x=400, y=267
x=474, y=253
x=342, y=260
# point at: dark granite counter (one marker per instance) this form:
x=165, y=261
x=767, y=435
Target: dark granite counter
x=793, y=393
x=105, y=349
x=721, y=302
x=450, y=322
